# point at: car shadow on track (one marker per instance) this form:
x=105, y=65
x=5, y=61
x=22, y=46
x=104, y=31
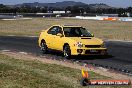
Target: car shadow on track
x=92, y=57
x=79, y=57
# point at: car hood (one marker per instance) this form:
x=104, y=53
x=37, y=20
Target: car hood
x=88, y=40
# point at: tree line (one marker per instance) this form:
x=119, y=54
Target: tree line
x=82, y=10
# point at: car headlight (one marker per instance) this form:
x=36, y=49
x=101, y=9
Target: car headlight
x=79, y=44
x=103, y=45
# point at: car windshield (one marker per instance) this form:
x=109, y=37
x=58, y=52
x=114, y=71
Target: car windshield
x=76, y=32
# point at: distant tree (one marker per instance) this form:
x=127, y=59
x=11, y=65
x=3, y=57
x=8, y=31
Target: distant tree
x=69, y=8
x=43, y=9
x=51, y=9
x=88, y=10
x=24, y=9
x=99, y=10
x=82, y=10
x=129, y=9
x=75, y=10
x=122, y=12
x=2, y=6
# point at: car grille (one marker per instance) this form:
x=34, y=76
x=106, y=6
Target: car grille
x=89, y=52
x=92, y=46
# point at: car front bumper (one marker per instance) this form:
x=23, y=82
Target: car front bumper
x=88, y=51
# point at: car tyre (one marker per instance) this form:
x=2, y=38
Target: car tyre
x=43, y=47
x=67, y=51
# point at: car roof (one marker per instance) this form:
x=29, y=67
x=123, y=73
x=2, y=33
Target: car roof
x=67, y=25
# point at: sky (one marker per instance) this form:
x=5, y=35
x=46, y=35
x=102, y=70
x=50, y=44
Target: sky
x=114, y=3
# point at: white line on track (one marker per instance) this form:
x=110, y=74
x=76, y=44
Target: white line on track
x=5, y=50
x=25, y=53
x=101, y=68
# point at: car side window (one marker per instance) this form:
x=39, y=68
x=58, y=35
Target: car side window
x=52, y=31
x=59, y=30
x=55, y=30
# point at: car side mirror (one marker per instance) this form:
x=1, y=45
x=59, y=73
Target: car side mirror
x=92, y=35
x=59, y=34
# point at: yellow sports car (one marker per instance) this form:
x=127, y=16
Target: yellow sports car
x=71, y=40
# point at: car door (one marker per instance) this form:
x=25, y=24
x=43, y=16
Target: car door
x=58, y=40
x=50, y=37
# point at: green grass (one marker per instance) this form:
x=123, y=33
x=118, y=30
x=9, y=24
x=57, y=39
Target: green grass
x=16, y=73
x=102, y=29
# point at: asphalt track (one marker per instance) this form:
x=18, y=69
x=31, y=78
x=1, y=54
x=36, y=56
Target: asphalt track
x=120, y=53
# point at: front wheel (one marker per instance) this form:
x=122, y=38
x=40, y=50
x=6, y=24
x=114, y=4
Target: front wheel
x=43, y=47
x=67, y=52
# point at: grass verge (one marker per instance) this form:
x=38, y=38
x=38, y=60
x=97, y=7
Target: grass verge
x=16, y=73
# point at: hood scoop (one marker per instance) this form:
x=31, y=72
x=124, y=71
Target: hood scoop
x=85, y=38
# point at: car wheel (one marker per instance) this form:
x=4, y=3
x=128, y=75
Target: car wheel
x=43, y=47
x=67, y=52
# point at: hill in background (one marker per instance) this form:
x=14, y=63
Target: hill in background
x=63, y=4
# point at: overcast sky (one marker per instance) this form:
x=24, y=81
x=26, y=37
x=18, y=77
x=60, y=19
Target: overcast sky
x=115, y=3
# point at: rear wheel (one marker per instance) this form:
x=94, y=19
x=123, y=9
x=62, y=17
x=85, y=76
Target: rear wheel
x=67, y=51
x=43, y=47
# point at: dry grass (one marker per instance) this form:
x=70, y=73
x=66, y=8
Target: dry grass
x=18, y=73
x=103, y=29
